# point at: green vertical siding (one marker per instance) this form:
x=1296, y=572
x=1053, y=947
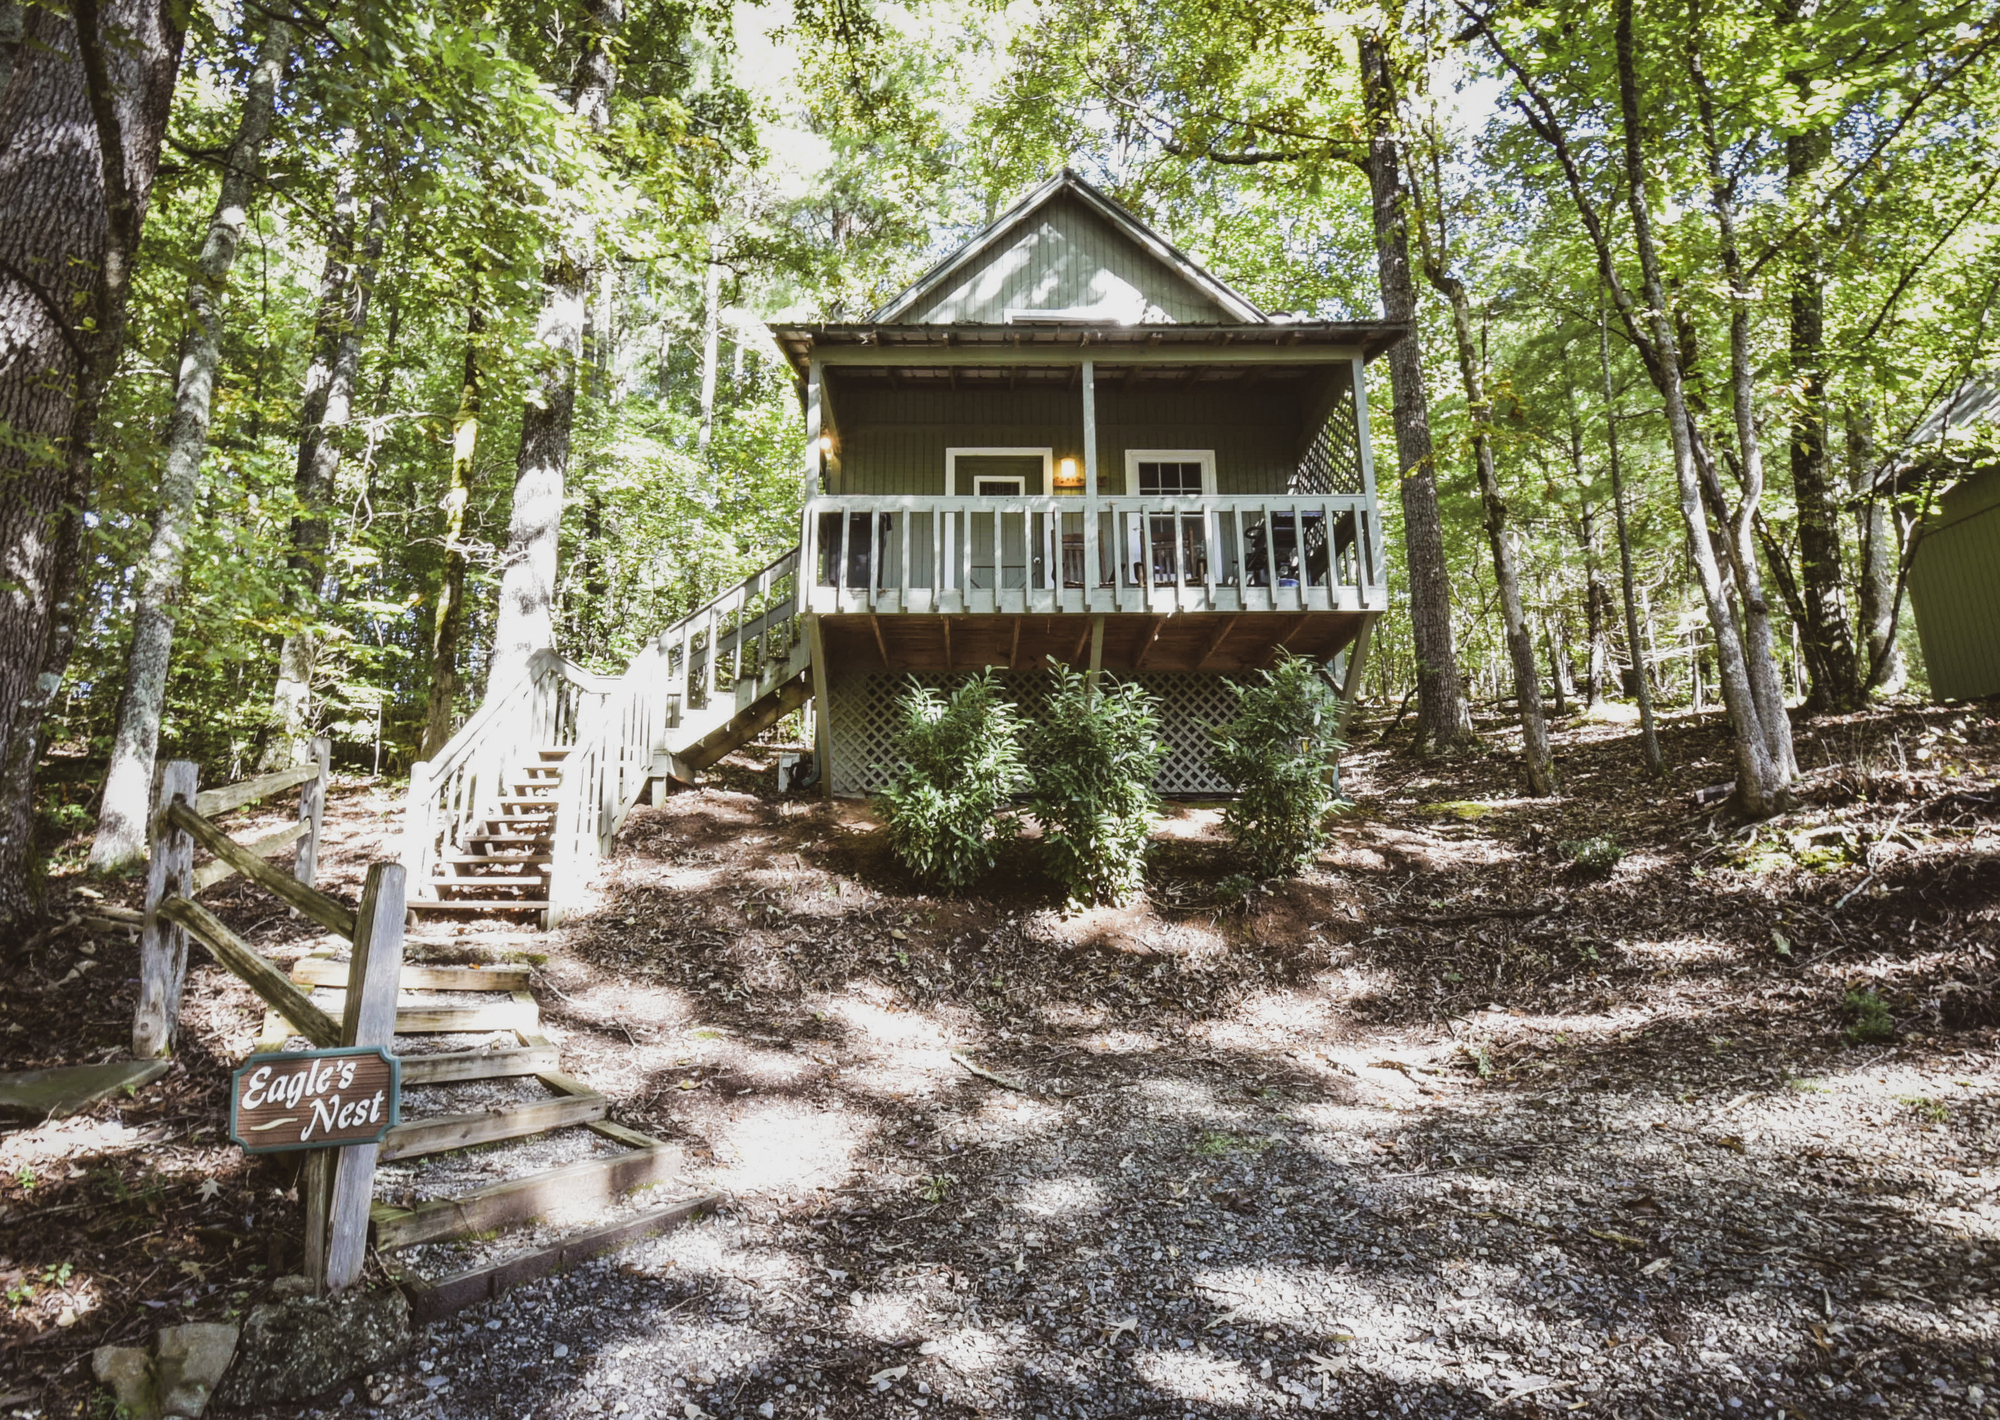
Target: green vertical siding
x=1955, y=591
x=1065, y=257
x=895, y=442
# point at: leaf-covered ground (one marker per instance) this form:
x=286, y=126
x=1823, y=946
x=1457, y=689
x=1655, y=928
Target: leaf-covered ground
x=1517, y=1107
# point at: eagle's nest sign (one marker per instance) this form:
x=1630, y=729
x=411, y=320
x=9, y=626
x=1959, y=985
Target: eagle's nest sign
x=314, y=1099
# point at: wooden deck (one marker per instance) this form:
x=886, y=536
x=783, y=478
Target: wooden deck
x=1197, y=641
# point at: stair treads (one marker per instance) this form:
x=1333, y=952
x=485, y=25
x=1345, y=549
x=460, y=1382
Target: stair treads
x=461, y=1131
x=425, y=1178
x=456, y=1013
x=492, y=1273
x=588, y=1186
x=319, y=971
x=456, y=1065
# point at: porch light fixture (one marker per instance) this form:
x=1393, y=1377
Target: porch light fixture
x=826, y=443
x=1068, y=475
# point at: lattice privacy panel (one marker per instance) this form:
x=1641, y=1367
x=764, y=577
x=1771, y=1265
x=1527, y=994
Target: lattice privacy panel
x=865, y=720
x=1333, y=462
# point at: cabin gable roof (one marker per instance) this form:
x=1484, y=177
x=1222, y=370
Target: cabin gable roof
x=1068, y=254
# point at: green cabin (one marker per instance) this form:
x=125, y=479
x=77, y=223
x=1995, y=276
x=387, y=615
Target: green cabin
x=1069, y=440
x=1066, y=440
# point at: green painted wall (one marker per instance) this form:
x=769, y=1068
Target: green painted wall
x=1955, y=591
x=895, y=442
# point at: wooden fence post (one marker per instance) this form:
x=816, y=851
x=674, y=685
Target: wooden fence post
x=163, y=946
x=373, y=978
x=312, y=810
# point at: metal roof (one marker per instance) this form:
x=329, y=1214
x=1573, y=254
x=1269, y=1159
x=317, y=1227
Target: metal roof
x=1017, y=345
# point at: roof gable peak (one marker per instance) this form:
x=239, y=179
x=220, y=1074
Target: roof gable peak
x=1067, y=253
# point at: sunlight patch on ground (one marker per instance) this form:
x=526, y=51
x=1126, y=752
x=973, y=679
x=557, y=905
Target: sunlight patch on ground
x=1057, y=1197
x=788, y=1146
x=1061, y=1016
x=1122, y=1042
x=882, y=1317
x=1194, y=1377
x=1167, y=1099
x=1187, y=823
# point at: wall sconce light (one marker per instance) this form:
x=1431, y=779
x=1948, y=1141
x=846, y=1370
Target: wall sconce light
x=1068, y=475
x=826, y=443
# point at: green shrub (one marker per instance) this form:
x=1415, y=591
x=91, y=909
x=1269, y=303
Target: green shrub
x=1867, y=1017
x=945, y=815
x=1595, y=856
x=1094, y=758
x=1275, y=753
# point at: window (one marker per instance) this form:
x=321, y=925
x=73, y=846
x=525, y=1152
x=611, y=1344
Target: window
x=1170, y=473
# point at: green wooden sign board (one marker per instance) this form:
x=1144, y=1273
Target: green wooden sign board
x=314, y=1099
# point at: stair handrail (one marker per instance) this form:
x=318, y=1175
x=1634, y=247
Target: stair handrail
x=466, y=780
x=621, y=734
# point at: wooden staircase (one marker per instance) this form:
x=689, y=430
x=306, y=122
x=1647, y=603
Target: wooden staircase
x=504, y=864
x=444, y=1249
x=516, y=810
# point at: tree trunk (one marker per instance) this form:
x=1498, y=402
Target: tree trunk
x=526, y=620
x=448, y=626
x=1535, y=755
x=1829, y=640
x=1881, y=550
x=1561, y=681
x=128, y=783
x=1596, y=596
x=1766, y=688
x=1642, y=690
x=1443, y=717
x=711, y=349
x=1760, y=787
x=328, y=410
x=82, y=115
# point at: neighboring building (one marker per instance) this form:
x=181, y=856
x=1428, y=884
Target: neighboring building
x=1066, y=441
x=1069, y=440
x=1955, y=569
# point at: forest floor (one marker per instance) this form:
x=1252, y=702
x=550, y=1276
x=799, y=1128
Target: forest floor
x=1450, y=1126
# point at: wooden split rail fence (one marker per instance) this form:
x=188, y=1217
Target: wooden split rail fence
x=365, y=993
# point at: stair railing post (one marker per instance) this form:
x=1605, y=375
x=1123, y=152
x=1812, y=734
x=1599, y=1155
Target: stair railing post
x=373, y=979
x=420, y=830
x=312, y=810
x=163, y=946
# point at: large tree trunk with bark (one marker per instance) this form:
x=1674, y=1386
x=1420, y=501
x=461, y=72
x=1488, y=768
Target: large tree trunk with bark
x=82, y=115
x=1536, y=758
x=128, y=783
x=1760, y=785
x=327, y=411
x=448, y=626
x=1829, y=640
x=526, y=620
x=1629, y=581
x=1443, y=717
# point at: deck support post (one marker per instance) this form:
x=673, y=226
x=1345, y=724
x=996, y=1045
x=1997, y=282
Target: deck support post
x=1096, y=651
x=822, y=706
x=1092, y=561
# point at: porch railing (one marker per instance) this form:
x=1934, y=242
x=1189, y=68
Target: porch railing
x=1281, y=552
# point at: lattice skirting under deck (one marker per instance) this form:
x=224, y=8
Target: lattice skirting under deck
x=864, y=724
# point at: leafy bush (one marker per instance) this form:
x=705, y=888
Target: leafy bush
x=1095, y=755
x=1867, y=1017
x=1595, y=856
x=944, y=815
x=1275, y=753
